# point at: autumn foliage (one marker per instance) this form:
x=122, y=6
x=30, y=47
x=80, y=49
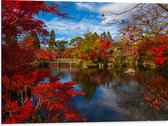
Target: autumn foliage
x=155, y=49
x=98, y=51
x=28, y=90
x=22, y=82
x=17, y=13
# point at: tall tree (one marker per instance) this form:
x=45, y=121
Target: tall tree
x=52, y=39
x=61, y=44
x=89, y=42
x=104, y=36
x=87, y=47
x=76, y=41
x=36, y=42
x=109, y=36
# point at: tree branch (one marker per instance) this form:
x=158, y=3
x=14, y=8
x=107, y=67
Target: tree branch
x=12, y=23
x=123, y=11
x=164, y=6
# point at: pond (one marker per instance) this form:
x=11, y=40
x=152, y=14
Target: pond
x=116, y=96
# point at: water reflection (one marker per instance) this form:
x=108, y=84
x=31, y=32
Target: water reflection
x=114, y=96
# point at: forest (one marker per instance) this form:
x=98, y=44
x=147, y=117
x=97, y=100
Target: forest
x=28, y=48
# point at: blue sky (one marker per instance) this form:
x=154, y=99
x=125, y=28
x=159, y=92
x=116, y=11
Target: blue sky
x=83, y=16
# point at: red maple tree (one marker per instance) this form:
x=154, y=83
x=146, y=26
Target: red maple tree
x=20, y=78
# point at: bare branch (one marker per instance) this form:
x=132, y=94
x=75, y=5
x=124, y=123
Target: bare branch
x=164, y=6
x=116, y=14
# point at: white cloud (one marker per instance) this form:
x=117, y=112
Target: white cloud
x=70, y=28
x=108, y=20
x=62, y=38
x=116, y=7
x=107, y=9
x=86, y=6
x=110, y=11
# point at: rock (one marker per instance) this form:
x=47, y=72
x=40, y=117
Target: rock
x=85, y=66
x=130, y=71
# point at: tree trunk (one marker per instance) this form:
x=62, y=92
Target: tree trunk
x=26, y=96
x=21, y=96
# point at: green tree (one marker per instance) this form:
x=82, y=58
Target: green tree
x=75, y=41
x=87, y=47
x=104, y=36
x=52, y=39
x=36, y=42
x=109, y=36
x=89, y=42
x=61, y=45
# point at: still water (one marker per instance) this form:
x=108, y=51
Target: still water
x=116, y=96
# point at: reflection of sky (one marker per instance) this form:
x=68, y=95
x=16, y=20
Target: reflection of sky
x=102, y=106
x=62, y=76
x=67, y=78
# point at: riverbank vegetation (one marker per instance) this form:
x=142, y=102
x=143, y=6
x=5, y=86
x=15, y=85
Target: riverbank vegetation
x=143, y=41
x=26, y=42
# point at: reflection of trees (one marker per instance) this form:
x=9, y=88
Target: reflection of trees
x=86, y=82
x=136, y=108
x=84, y=79
x=155, y=82
x=130, y=90
x=131, y=95
x=89, y=79
x=88, y=86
